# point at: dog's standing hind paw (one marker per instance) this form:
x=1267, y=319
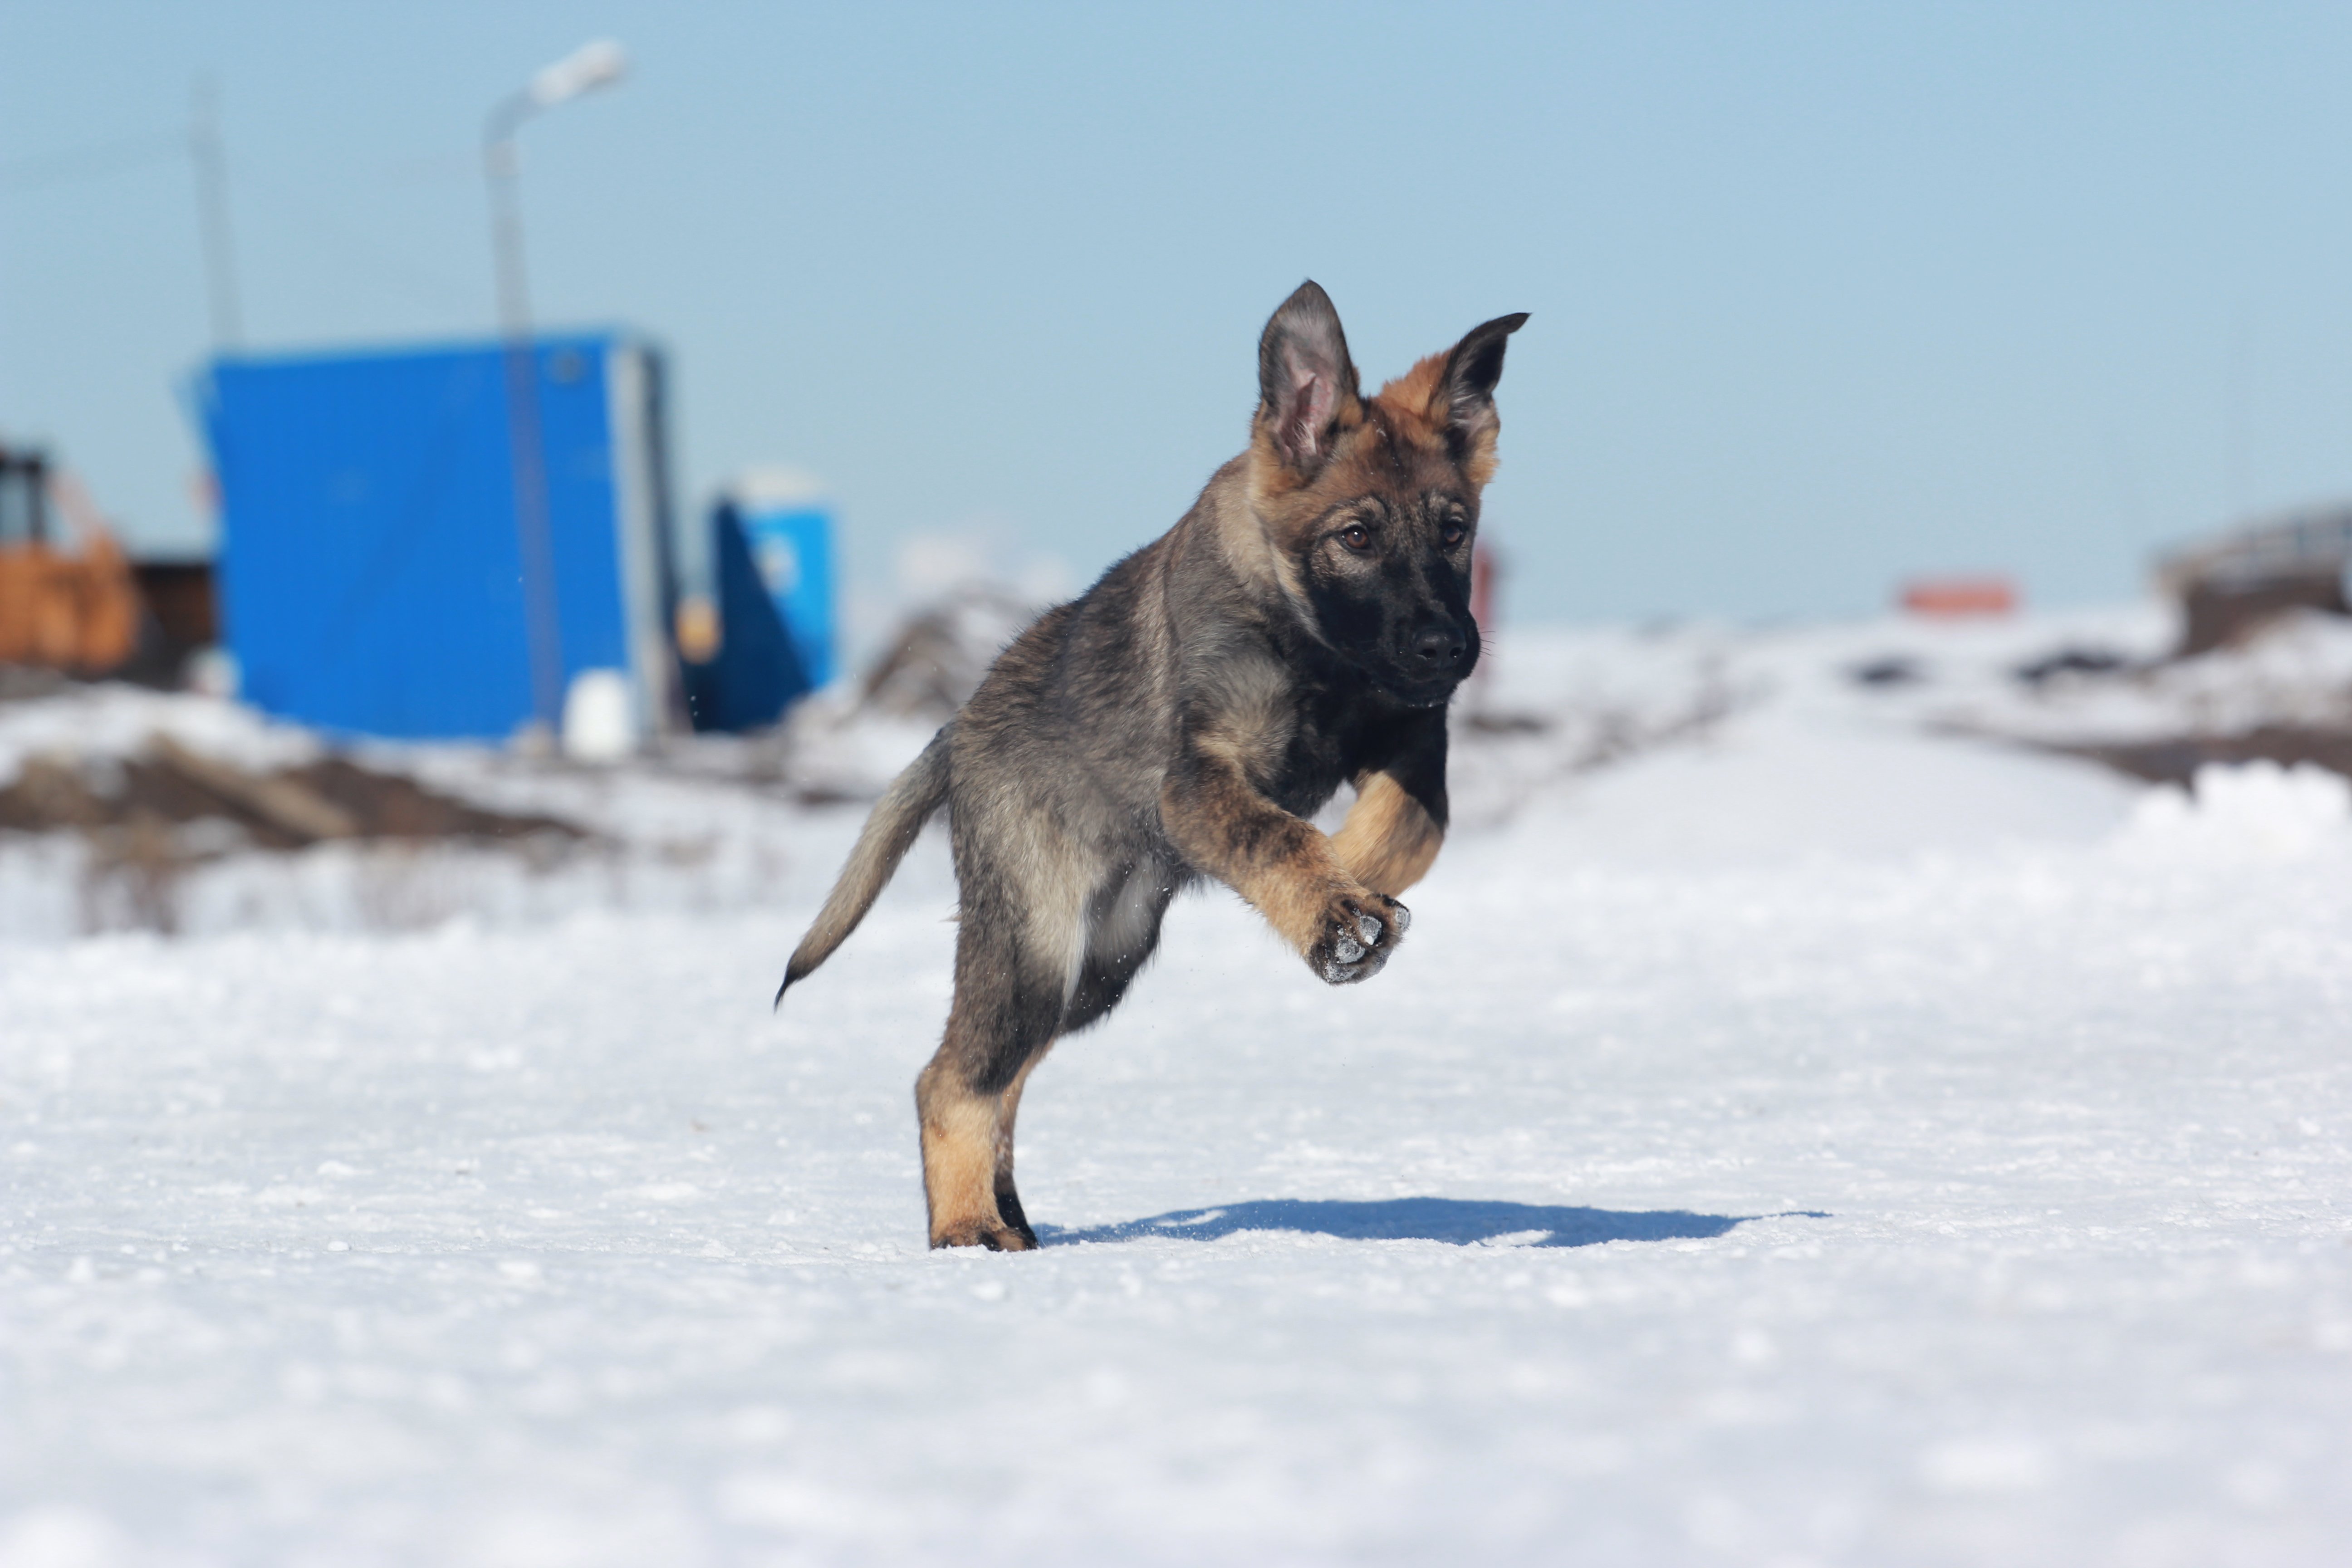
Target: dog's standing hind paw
x=1359, y=933
x=995, y=1237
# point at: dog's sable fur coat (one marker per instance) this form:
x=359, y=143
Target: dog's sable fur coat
x=1303, y=626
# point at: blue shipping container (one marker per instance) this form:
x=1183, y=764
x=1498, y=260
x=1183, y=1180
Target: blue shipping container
x=371, y=576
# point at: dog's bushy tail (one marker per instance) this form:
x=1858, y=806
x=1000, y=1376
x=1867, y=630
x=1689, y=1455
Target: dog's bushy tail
x=898, y=820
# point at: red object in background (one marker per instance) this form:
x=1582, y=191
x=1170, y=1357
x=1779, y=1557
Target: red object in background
x=1485, y=569
x=1951, y=597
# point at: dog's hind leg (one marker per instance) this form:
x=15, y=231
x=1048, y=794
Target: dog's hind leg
x=1016, y=947
x=966, y=1100
x=1008, y=1199
x=960, y=1131
x=1122, y=927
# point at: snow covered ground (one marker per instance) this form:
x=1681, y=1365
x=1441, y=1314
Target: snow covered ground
x=1807, y=1139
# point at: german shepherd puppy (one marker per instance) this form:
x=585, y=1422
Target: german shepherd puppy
x=1302, y=625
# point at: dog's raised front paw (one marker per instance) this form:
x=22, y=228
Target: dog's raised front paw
x=1358, y=933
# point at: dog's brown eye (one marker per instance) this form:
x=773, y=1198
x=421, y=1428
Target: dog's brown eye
x=1356, y=536
x=1452, y=533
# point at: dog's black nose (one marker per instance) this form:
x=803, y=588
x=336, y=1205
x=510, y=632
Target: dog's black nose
x=1439, y=649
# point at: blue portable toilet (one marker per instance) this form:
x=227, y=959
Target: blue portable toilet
x=753, y=672
x=373, y=576
x=787, y=523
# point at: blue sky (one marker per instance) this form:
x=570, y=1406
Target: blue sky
x=1823, y=295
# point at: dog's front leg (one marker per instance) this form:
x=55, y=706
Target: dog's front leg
x=1392, y=832
x=1390, y=839
x=1285, y=867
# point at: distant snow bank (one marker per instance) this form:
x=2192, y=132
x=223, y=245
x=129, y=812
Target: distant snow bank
x=109, y=721
x=704, y=830
x=1686, y=746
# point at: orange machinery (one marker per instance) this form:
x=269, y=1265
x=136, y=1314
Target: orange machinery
x=73, y=609
x=1955, y=598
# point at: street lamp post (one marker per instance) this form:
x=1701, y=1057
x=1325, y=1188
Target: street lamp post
x=590, y=66
x=212, y=215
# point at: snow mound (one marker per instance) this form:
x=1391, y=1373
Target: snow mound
x=2253, y=812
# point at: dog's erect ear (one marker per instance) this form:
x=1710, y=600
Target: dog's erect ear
x=1463, y=402
x=1468, y=387
x=1304, y=378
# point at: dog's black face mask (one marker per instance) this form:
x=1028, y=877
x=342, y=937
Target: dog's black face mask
x=1388, y=581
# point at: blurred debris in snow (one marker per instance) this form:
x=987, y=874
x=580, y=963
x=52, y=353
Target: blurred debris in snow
x=1893, y=669
x=935, y=662
x=2072, y=661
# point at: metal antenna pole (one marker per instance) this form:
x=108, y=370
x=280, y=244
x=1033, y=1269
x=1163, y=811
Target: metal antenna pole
x=534, y=531
x=212, y=215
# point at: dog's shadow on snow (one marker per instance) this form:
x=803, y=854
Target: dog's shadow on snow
x=1459, y=1221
